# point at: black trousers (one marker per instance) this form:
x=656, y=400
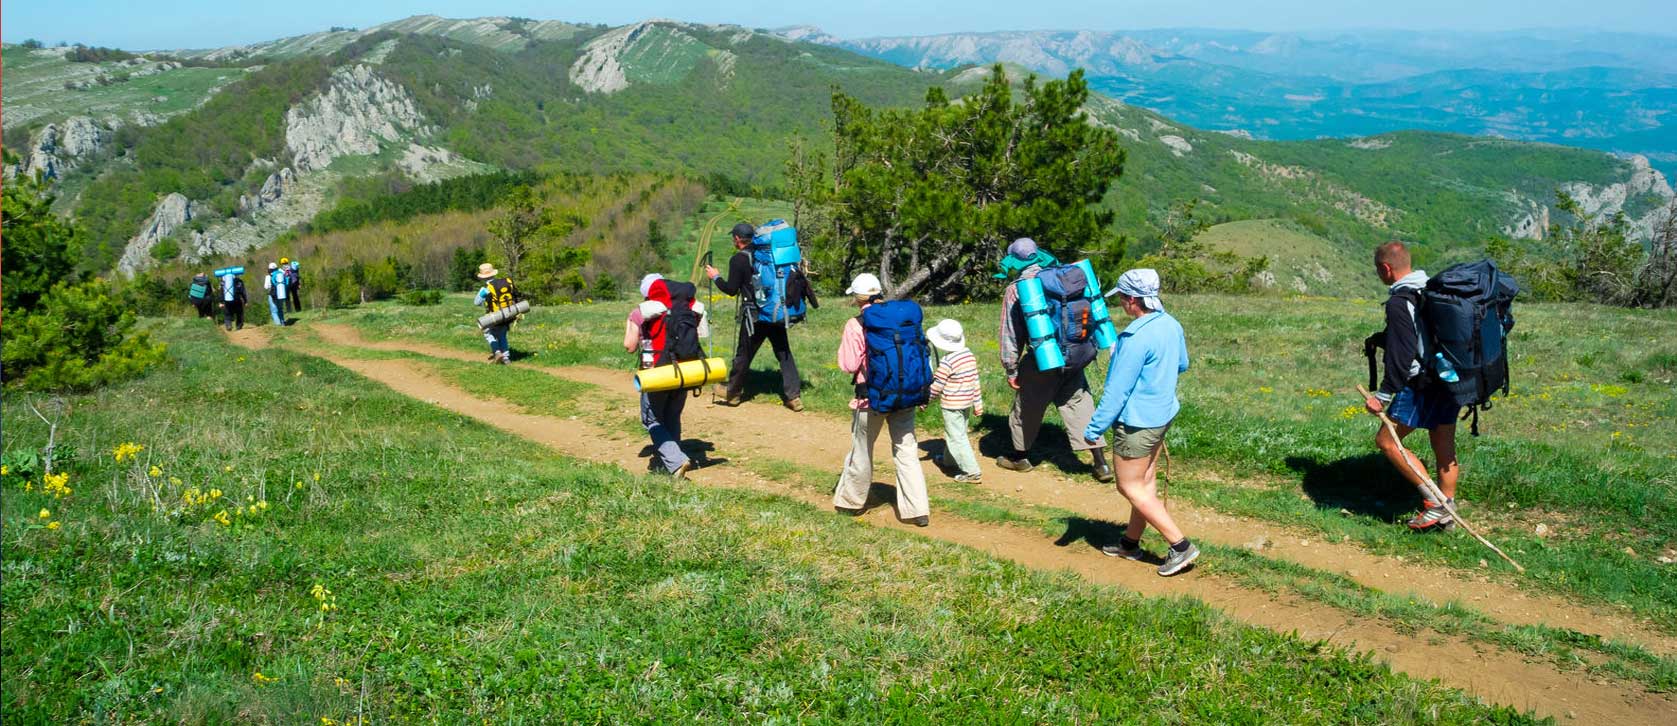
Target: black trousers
x=746, y=349
x=233, y=311
x=206, y=308
x=294, y=300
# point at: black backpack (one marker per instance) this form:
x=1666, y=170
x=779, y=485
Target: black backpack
x=681, y=325
x=1465, y=314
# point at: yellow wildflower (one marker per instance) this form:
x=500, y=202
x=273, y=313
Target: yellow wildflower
x=222, y=517
x=229, y=467
x=175, y=480
x=263, y=504
x=215, y=493
x=155, y=472
x=45, y=514
x=55, y=484
x=262, y=679
x=4, y=470
x=126, y=451
x=299, y=485
x=1317, y=393
x=317, y=477
x=1265, y=389
x=29, y=486
x=1350, y=412
x=52, y=525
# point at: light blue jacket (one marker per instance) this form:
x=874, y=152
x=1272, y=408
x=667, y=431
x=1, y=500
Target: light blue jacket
x=1141, y=381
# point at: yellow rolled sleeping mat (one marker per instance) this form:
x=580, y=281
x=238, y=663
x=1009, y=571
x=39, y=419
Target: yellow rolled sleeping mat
x=676, y=376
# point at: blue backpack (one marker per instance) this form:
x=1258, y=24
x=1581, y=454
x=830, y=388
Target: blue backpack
x=777, y=283
x=1068, y=307
x=899, y=365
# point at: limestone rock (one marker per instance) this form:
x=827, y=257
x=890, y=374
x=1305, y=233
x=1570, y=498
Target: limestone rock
x=1178, y=145
x=355, y=115
x=274, y=187
x=174, y=211
x=599, y=69
x=58, y=146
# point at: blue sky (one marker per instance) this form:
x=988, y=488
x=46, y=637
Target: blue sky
x=140, y=24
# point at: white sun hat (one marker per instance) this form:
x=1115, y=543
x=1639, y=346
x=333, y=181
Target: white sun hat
x=947, y=336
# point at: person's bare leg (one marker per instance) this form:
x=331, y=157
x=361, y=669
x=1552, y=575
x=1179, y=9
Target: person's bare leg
x=1396, y=454
x=1136, y=482
x=1137, y=524
x=1444, y=448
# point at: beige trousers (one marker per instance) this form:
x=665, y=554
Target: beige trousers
x=857, y=477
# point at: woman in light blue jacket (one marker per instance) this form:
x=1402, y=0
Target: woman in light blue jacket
x=1140, y=402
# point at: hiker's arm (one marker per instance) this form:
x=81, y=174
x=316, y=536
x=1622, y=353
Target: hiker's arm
x=1008, y=340
x=852, y=352
x=739, y=271
x=631, y=336
x=482, y=295
x=1402, y=349
x=1121, y=378
x=1182, y=345
x=940, y=379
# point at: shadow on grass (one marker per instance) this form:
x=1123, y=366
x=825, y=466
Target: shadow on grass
x=1364, y=485
x=1051, y=445
x=767, y=382
x=698, y=450
x=1096, y=533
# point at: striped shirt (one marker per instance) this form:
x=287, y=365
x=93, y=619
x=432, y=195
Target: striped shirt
x=956, y=382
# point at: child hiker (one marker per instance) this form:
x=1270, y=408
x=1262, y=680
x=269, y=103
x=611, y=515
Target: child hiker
x=955, y=384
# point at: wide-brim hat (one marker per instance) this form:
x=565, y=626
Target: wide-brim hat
x=486, y=271
x=947, y=336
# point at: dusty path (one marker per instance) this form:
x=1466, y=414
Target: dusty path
x=768, y=429
x=1495, y=675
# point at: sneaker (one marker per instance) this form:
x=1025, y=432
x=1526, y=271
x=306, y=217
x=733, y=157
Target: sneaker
x=796, y=404
x=921, y=521
x=847, y=511
x=727, y=399
x=1117, y=549
x=681, y=471
x=1177, y=561
x=968, y=478
x=493, y=355
x=1433, y=516
x=1021, y=464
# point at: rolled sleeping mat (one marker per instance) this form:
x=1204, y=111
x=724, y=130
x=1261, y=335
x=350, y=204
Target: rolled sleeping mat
x=1106, y=333
x=225, y=271
x=1038, y=327
x=504, y=315
x=677, y=376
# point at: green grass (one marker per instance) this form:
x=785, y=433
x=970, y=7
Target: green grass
x=481, y=577
x=1301, y=261
x=537, y=392
x=35, y=88
x=1584, y=446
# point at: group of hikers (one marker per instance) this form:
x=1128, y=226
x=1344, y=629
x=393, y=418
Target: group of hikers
x=224, y=289
x=1054, y=322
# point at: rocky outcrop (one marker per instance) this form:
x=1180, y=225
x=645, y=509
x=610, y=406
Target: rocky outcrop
x=1534, y=224
x=1609, y=199
x=1178, y=145
x=273, y=188
x=600, y=68
x=170, y=215
x=58, y=146
x=357, y=113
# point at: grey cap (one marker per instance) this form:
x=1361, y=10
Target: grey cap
x=744, y=230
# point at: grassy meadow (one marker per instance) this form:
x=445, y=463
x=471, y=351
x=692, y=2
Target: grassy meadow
x=295, y=543
x=1272, y=427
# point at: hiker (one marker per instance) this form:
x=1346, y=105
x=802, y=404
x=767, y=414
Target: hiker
x=1067, y=388
x=757, y=324
x=891, y=382
x=1140, y=401
x=198, y=293
x=233, y=300
x=1406, y=393
x=293, y=284
x=497, y=292
x=955, y=384
x=274, y=283
x=666, y=328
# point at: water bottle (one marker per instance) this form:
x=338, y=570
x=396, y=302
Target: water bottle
x=1446, y=372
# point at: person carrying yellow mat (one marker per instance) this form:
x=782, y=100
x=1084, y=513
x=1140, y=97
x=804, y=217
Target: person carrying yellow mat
x=665, y=328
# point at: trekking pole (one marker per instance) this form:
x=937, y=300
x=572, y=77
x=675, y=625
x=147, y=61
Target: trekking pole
x=710, y=335
x=1429, y=489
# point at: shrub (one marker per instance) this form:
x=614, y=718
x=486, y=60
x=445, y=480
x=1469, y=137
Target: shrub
x=78, y=337
x=422, y=297
x=36, y=251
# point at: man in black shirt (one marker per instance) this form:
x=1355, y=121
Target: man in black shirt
x=753, y=332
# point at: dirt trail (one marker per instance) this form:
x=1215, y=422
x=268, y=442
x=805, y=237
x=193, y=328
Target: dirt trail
x=770, y=430
x=1495, y=675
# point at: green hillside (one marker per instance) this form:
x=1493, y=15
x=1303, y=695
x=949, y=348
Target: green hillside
x=1300, y=261
x=719, y=103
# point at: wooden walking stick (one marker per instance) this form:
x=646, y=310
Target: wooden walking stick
x=1429, y=489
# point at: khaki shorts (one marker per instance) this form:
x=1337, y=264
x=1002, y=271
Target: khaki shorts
x=1137, y=443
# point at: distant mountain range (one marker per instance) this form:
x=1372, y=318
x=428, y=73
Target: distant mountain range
x=1608, y=91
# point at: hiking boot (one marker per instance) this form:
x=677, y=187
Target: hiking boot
x=1103, y=470
x=1119, y=549
x=921, y=521
x=1433, y=516
x=968, y=478
x=1177, y=561
x=681, y=471
x=728, y=399
x=1021, y=464
x=796, y=404
x=493, y=355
